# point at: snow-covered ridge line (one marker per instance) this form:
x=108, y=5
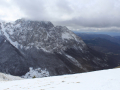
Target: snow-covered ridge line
x=40, y=34
x=4, y=32
x=98, y=80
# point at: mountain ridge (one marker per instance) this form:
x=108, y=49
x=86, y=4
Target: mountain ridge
x=39, y=44
x=26, y=30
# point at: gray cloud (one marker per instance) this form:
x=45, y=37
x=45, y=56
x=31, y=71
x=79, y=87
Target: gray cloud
x=3, y=3
x=63, y=7
x=33, y=10
x=92, y=22
x=89, y=29
x=76, y=14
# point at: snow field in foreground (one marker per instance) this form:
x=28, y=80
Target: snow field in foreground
x=97, y=80
x=7, y=77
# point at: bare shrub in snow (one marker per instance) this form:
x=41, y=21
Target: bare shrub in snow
x=36, y=73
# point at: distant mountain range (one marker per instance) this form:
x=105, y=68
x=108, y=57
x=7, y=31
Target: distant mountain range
x=86, y=36
x=101, y=42
x=104, y=44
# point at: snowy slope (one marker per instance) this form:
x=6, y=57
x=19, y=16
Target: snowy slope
x=98, y=80
x=7, y=77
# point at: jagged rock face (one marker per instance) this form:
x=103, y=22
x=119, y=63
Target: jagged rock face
x=42, y=35
x=43, y=45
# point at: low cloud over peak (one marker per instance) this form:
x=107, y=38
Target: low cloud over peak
x=77, y=14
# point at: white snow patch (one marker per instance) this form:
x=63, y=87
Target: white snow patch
x=44, y=50
x=18, y=25
x=66, y=36
x=98, y=80
x=7, y=36
x=4, y=40
x=74, y=36
x=11, y=31
x=74, y=61
x=26, y=47
x=46, y=22
x=0, y=32
x=7, y=77
x=36, y=73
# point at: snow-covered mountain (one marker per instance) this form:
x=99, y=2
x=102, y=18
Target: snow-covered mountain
x=42, y=35
x=98, y=80
x=40, y=44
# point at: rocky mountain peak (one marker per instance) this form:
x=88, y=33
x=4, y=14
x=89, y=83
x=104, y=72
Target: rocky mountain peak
x=27, y=22
x=44, y=35
x=40, y=44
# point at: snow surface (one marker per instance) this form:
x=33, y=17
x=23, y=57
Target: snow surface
x=7, y=36
x=7, y=77
x=98, y=80
x=66, y=36
x=74, y=61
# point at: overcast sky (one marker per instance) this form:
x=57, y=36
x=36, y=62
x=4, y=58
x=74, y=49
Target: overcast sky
x=81, y=15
